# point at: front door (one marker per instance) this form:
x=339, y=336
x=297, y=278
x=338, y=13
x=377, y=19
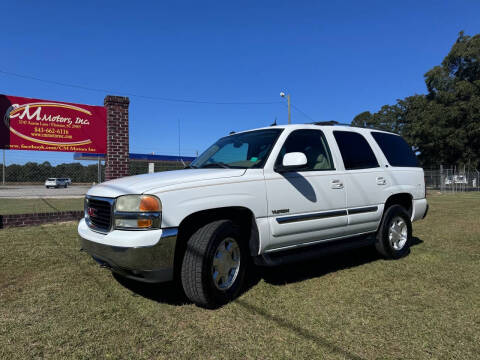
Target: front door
x=309, y=204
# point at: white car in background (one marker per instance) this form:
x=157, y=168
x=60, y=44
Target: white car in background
x=460, y=179
x=56, y=183
x=456, y=179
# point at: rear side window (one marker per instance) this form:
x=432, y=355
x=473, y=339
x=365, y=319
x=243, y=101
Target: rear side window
x=355, y=150
x=396, y=150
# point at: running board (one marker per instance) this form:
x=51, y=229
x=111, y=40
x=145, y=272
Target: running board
x=313, y=251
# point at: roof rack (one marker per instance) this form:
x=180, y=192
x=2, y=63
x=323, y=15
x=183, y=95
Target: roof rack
x=329, y=123
x=333, y=123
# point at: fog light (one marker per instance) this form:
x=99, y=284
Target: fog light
x=126, y=223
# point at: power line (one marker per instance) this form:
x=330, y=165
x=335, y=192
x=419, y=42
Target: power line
x=157, y=98
x=301, y=112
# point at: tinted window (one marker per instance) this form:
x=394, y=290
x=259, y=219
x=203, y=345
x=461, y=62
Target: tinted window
x=395, y=149
x=313, y=144
x=355, y=150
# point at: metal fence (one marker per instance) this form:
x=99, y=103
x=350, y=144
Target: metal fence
x=451, y=179
x=22, y=180
x=144, y=167
x=33, y=168
x=23, y=168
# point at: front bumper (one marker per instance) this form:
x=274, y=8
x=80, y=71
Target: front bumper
x=141, y=255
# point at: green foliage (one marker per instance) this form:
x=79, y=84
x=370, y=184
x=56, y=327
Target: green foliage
x=443, y=125
x=34, y=172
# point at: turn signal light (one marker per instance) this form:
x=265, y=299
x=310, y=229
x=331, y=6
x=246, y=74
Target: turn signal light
x=149, y=203
x=144, y=223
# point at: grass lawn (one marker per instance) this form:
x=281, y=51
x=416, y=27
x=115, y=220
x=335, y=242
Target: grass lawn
x=28, y=206
x=56, y=303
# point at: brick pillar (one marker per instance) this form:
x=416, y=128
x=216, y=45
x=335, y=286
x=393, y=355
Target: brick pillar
x=116, y=159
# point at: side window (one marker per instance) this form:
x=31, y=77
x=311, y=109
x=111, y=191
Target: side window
x=355, y=150
x=313, y=144
x=395, y=149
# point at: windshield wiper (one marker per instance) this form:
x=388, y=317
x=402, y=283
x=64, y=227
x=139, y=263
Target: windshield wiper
x=217, y=164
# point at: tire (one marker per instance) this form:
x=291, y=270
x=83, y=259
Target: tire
x=395, y=233
x=201, y=277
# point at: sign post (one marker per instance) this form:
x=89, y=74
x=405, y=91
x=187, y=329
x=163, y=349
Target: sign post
x=99, y=171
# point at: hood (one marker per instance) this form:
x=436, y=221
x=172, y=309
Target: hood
x=140, y=184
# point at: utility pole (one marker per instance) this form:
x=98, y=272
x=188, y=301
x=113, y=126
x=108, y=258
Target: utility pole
x=3, y=168
x=178, y=121
x=282, y=94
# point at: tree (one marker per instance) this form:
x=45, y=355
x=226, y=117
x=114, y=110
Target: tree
x=444, y=124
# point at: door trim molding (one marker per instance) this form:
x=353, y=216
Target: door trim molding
x=362, y=210
x=325, y=214
x=319, y=215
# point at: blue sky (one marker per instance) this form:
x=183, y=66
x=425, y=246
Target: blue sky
x=336, y=59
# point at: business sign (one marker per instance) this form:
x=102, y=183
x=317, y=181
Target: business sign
x=44, y=125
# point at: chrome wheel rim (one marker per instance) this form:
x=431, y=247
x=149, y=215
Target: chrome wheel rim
x=398, y=233
x=226, y=264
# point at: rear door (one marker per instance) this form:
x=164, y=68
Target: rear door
x=307, y=204
x=367, y=183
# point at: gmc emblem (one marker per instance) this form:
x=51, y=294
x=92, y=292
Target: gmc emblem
x=91, y=212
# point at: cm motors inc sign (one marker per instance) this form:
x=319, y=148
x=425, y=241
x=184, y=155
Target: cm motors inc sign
x=44, y=125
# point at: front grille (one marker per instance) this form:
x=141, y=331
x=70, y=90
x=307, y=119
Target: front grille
x=98, y=213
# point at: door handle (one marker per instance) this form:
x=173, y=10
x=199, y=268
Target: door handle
x=336, y=184
x=381, y=180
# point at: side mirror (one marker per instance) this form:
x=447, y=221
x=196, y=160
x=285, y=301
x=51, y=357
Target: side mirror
x=292, y=161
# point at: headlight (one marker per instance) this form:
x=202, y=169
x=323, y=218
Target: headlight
x=138, y=212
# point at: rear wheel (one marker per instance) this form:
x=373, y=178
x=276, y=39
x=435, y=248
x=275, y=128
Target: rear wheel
x=214, y=264
x=395, y=233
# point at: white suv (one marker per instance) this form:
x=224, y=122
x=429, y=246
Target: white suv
x=274, y=195
x=56, y=183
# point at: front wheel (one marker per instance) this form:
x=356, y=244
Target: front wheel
x=395, y=233
x=214, y=264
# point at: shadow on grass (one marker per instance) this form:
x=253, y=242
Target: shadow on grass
x=172, y=292
x=50, y=204
x=322, y=265
x=168, y=293
x=299, y=331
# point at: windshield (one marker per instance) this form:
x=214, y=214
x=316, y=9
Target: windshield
x=239, y=151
